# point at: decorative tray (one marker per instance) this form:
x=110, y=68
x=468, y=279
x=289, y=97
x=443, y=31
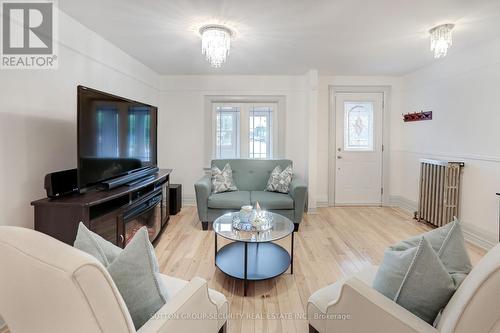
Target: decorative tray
x=264, y=224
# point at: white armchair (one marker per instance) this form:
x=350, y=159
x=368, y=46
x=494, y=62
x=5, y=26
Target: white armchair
x=351, y=305
x=47, y=286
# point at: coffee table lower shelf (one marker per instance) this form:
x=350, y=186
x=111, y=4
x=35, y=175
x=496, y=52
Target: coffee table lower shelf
x=263, y=261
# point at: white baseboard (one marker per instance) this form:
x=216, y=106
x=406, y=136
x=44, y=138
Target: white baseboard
x=472, y=234
x=403, y=203
x=322, y=203
x=478, y=237
x=189, y=200
x=312, y=211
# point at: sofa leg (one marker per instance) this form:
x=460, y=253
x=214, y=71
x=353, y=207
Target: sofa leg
x=204, y=225
x=312, y=329
x=296, y=227
x=223, y=329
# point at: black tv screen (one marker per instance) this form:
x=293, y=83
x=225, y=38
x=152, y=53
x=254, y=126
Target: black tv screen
x=116, y=136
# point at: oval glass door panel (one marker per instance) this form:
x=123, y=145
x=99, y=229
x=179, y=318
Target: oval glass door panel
x=358, y=126
x=358, y=155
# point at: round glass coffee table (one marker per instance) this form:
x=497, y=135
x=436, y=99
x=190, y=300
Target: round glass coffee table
x=253, y=256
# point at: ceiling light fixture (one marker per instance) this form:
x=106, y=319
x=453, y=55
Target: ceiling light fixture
x=441, y=39
x=215, y=44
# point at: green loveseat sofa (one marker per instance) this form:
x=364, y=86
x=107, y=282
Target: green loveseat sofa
x=250, y=176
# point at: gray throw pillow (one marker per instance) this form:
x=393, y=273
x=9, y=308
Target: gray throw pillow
x=137, y=276
x=95, y=245
x=279, y=181
x=134, y=270
x=449, y=244
x=222, y=181
x=416, y=279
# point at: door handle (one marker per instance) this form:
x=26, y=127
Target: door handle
x=339, y=157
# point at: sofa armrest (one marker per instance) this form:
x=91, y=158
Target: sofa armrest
x=203, y=188
x=370, y=311
x=190, y=310
x=298, y=192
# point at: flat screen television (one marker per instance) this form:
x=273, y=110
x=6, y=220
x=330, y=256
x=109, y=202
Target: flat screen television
x=116, y=136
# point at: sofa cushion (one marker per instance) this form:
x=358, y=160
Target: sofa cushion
x=416, y=279
x=136, y=274
x=229, y=200
x=280, y=180
x=449, y=244
x=95, y=245
x=271, y=200
x=222, y=181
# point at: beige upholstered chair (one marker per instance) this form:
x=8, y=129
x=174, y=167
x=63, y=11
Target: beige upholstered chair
x=353, y=306
x=47, y=286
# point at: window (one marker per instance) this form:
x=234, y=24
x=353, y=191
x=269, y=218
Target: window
x=227, y=132
x=107, y=132
x=245, y=130
x=358, y=126
x=139, y=129
x=260, y=132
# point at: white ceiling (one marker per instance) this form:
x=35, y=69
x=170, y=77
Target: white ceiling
x=341, y=37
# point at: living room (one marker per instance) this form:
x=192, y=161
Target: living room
x=255, y=128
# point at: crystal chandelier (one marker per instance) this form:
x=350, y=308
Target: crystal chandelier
x=215, y=44
x=441, y=39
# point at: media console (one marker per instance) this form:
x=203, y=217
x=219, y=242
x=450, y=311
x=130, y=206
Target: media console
x=115, y=214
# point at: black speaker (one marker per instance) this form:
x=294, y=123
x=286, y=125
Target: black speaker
x=175, y=198
x=61, y=183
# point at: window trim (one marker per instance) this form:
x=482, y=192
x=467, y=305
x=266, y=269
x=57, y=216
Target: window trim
x=278, y=122
x=243, y=140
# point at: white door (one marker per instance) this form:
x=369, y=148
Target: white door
x=358, y=151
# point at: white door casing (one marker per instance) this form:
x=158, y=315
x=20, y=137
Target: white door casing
x=358, y=148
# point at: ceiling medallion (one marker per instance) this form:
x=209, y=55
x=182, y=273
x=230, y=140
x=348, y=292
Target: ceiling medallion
x=215, y=44
x=441, y=39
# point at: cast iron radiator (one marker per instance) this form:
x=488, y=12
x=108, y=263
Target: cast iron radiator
x=439, y=193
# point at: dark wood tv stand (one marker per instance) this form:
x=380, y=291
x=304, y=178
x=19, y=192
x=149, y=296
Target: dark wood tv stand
x=107, y=213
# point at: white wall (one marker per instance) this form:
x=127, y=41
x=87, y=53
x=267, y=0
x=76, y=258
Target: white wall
x=461, y=90
x=38, y=112
x=38, y=121
x=183, y=100
x=182, y=139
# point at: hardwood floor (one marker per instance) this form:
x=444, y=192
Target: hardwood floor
x=331, y=244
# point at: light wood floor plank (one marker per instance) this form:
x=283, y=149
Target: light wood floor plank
x=331, y=244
